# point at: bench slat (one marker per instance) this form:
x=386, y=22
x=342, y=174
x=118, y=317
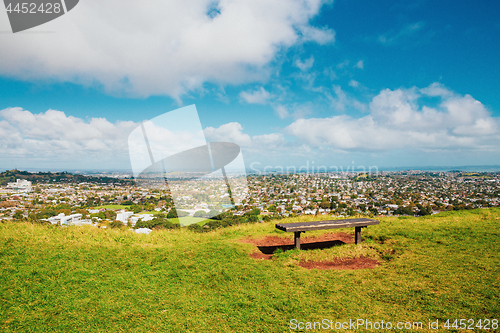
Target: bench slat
x=330, y=224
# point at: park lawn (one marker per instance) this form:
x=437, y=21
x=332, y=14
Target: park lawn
x=84, y=279
x=188, y=220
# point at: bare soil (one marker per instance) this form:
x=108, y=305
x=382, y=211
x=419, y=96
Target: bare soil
x=269, y=244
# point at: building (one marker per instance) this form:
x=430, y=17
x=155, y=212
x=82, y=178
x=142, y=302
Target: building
x=63, y=219
x=124, y=216
x=20, y=185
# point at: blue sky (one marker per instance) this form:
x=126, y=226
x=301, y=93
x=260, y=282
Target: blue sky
x=294, y=83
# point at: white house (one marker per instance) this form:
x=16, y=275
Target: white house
x=20, y=185
x=124, y=216
x=63, y=219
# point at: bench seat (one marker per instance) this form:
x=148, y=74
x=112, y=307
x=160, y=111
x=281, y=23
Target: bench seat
x=299, y=227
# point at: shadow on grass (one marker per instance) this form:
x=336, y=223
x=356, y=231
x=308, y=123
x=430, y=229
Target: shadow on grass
x=305, y=246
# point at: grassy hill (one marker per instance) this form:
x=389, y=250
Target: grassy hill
x=83, y=279
x=59, y=177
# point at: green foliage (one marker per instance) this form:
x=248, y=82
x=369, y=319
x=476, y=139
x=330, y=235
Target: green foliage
x=325, y=204
x=18, y=215
x=116, y=224
x=173, y=214
x=200, y=213
x=196, y=227
x=403, y=211
x=46, y=213
x=157, y=223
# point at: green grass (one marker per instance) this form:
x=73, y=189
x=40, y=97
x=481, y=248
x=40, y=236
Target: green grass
x=188, y=220
x=84, y=279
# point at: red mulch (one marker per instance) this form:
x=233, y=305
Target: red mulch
x=270, y=241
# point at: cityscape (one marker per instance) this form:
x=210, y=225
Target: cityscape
x=117, y=201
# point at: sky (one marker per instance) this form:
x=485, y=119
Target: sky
x=295, y=83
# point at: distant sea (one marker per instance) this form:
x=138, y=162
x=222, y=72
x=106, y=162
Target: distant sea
x=477, y=168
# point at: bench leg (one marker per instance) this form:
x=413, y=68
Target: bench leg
x=297, y=240
x=357, y=235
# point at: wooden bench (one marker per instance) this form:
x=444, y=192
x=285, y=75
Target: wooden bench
x=297, y=228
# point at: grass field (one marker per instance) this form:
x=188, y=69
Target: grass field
x=188, y=220
x=84, y=279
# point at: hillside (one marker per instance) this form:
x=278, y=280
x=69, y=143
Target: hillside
x=59, y=177
x=84, y=279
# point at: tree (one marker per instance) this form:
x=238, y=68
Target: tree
x=325, y=204
x=18, y=215
x=200, y=213
x=116, y=224
x=111, y=215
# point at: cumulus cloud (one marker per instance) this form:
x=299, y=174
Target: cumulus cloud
x=258, y=145
x=360, y=64
x=231, y=132
x=164, y=47
x=304, y=65
x=354, y=83
x=260, y=96
x=397, y=120
x=52, y=135
x=436, y=89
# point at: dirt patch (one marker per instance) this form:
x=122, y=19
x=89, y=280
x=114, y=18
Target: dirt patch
x=356, y=263
x=282, y=241
x=269, y=244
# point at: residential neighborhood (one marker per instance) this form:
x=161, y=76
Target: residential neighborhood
x=271, y=196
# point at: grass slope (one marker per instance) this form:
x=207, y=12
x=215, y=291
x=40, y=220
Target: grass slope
x=83, y=279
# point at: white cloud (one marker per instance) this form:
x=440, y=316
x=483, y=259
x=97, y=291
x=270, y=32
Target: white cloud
x=269, y=141
x=360, y=64
x=396, y=120
x=296, y=111
x=281, y=111
x=258, y=146
x=330, y=73
x=260, y=96
x=230, y=132
x=392, y=37
x=343, y=64
x=52, y=136
x=436, y=89
x=341, y=101
x=354, y=83
x=164, y=47
x=306, y=65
